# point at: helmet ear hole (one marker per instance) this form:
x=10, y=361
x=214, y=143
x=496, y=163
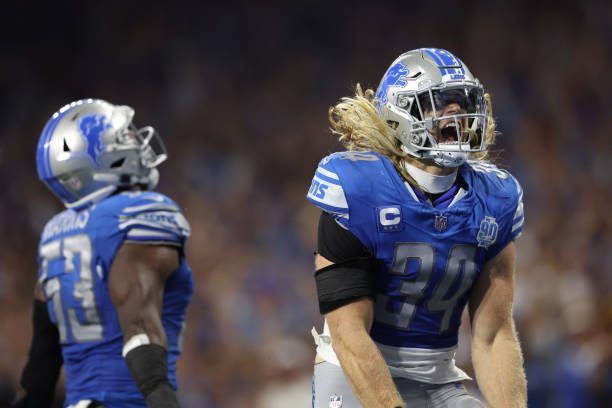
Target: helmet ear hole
x=117, y=163
x=66, y=148
x=416, y=75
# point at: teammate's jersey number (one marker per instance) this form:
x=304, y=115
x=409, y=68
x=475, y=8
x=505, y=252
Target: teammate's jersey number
x=440, y=301
x=69, y=248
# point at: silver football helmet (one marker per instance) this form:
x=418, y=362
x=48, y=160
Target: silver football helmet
x=90, y=147
x=435, y=105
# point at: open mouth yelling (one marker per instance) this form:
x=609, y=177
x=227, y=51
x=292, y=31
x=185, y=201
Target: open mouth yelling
x=448, y=133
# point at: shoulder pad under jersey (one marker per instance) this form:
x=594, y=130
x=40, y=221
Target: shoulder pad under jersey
x=331, y=179
x=149, y=217
x=502, y=187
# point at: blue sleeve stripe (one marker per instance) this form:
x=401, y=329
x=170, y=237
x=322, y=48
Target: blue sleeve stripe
x=326, y=178
x=518, y=219
x=327, y=207
x=154, y=238
x=43, y=161
x=437, y=59
x=156, y=241
x=152, y=225
x=134, y=233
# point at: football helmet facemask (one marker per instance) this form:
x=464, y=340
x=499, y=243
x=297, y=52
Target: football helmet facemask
x=90, y=148
x=435, y=105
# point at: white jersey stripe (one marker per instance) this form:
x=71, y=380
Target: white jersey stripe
x=518, y=224
x=141, y=222
x=331, y=196
x=154, y=206
x=519, y=211
x=133, y=233
x=411, y=191
x=460, y=194
x=328, y=173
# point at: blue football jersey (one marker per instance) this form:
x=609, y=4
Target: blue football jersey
x=431, y=255
x=76, y=252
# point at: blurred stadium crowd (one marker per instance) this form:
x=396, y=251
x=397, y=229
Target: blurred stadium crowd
x=240, y=95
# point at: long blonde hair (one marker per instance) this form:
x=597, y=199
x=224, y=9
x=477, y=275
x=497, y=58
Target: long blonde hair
x=361, y=128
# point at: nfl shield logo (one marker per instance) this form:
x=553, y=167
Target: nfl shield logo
x=441, y=222
x=335, y=401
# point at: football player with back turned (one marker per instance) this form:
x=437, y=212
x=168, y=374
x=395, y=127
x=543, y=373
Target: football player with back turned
x=113, y=283
x=415, y=225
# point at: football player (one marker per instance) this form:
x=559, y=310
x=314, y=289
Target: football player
x=415, y=225
x=113, y=283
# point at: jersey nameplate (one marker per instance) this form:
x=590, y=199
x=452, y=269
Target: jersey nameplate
x=67, y=221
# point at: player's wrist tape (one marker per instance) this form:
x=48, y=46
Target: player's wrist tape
x=135, y=341
x=342, y=283
x=149, y=368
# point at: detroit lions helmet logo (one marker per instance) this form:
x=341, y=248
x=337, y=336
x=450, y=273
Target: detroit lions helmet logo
x=396, y=76
x=92, y=127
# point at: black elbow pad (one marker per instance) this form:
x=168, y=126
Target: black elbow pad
x=345, y=282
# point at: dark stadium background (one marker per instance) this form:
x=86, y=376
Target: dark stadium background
x=240, y=94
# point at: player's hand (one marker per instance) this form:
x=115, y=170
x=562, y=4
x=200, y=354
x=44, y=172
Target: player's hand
x=20, y=399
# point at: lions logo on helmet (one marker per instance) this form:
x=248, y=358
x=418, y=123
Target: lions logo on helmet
x=396, y=76
x=92, y=127
x=90, y=147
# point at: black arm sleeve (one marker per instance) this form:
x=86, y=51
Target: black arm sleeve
x=342, y=283
x=336, y=243
x=353, y=274
x=40, y=374
x=149, y=368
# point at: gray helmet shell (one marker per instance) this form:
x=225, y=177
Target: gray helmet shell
x=90, y=147
x=428, y=74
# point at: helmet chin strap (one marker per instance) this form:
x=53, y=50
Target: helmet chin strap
x=430, y=183
x=92, y=198
x=153, y=179
x=446, y=154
